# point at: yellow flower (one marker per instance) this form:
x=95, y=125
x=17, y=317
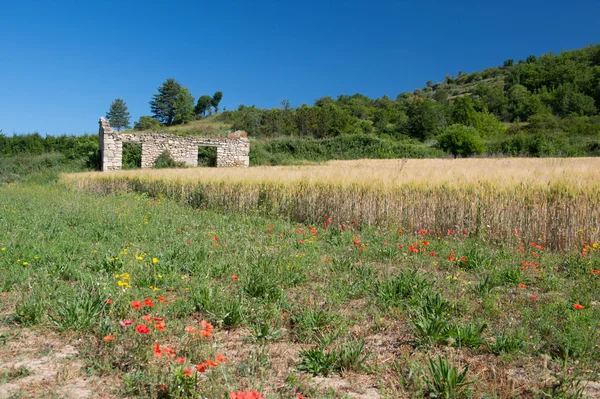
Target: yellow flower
x=155, y=260
x=36, y=257
x=4, y=249
x=140, y=258
x=159, y=276
x=25, y=263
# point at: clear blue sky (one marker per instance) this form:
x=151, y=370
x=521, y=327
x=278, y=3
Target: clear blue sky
x=63, y=62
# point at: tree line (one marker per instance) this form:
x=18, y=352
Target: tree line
x=172, y=105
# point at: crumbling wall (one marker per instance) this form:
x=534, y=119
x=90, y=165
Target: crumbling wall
x=232, y=151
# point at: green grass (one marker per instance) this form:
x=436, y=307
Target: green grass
x=283, y=310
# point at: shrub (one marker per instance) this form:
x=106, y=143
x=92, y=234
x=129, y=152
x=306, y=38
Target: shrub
x=165, y=160
x=146, y=123
x=461, y=140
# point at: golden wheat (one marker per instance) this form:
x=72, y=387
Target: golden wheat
x=552, y=201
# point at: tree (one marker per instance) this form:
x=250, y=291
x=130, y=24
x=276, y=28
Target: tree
x=509, y=62
x=425, y=117
x=117, y=115
x=146, y=123
x=163, y=103
x=216, y=99
x=461, y=141
x=184, y=106
x=203, y=105
x=462, y=111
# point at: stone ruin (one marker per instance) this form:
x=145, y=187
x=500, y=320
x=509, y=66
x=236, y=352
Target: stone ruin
x=232, y=151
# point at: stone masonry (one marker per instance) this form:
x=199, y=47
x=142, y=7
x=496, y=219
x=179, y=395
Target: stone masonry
x=232, y=150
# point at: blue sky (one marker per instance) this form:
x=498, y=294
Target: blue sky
x=63, y=62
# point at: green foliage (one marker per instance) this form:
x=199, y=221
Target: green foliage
x=446, y=381
x=348, y=356
x=461, y=140
x=162, y=104
x=184, y=107
x=397, y=290
x=132, y=156
x=216, y=99
x=203, y=105
x=425, y=118
x=147, y=123
x=117, y=115
x=165, y=160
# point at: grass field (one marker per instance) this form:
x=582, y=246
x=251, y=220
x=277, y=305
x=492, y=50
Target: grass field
x=144, y=296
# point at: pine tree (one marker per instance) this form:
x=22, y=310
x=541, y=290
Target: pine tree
x=163, y=103
x=117, y=115
x=184, y=106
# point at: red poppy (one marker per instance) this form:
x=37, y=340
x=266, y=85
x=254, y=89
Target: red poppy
x=108, y=338
x=245, y=395
x=126, y=322
x=463, y=259
x=356, y=241
x=187, y=372
x=221, y=359
x=190, y=329
x=451, y=259
x=109, y=301
x=189, y=242
x=578, y=306
x=211, y=363
x=147, y=318
x=534, y=297
x=521, y=285
x=157, y=352
x=426, y=243
x=215, y=238
x=142, y=329
x=300, y=242
x=465, y=231
x=136, y=304
x=234, y=277
x=180, y=360
x=202, y=367
x=432, y=254
x=450, y=232
x=148, y=302
x=160, y=326
x=162, y=299
x=597, y=272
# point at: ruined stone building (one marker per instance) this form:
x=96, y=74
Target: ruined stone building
x=232, y=151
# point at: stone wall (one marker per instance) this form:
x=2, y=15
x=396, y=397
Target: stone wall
x=232, y=151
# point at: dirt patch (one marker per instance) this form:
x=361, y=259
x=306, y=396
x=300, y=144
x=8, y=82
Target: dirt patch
x=34, y=364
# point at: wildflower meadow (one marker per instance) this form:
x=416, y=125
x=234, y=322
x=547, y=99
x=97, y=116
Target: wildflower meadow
x=142, y=295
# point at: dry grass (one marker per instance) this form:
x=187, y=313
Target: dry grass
x=575, y=173
x=554, y=201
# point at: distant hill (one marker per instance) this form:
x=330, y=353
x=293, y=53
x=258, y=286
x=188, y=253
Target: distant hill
x=540, y=106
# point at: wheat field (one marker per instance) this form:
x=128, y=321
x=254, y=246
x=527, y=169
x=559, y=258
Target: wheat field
x=553, y=201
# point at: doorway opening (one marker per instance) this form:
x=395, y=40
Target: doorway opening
x=207, y=157
x=132, y=156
